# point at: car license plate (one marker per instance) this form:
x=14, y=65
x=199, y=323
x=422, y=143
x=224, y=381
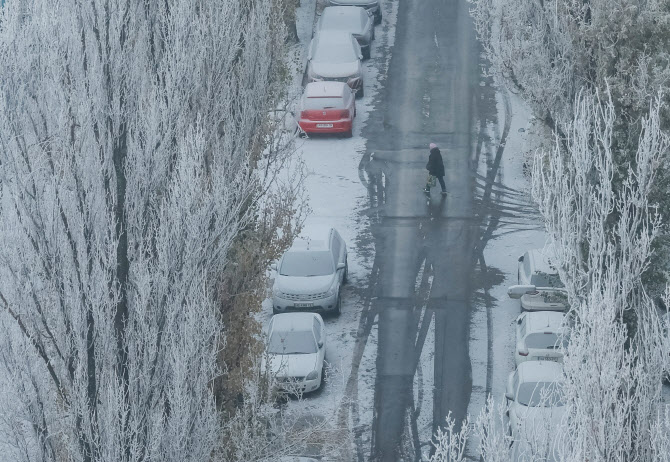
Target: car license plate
x=304, y=305
x=546, y=358
x=324, y=125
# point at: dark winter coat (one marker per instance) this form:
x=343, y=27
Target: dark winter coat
x=435, y=166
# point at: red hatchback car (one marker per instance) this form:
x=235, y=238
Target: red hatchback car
x=327, y=107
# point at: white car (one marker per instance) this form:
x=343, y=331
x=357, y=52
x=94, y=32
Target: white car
x=534, y=399
x=311, y=273
x=336, y=56
x=357, y=21
x=539, y=336
x=296, y=349
x=536, y=268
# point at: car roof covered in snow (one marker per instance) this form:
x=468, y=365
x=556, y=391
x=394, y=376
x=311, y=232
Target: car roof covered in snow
x=333, y=36
x=285, y=322
x=324, y=89
x=314, y=238
x=347, y=18
x=540, y=371
x=543, y=260
x=540, y=321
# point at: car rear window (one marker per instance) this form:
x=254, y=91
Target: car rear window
x=540, y=279
x=336, y=53
x=539, y=394
x=306, y=264
x=330, y=102
x=338, y=22
x=292, y=343
x=543, y=341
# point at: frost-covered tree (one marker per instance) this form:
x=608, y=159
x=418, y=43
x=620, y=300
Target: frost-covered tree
x=549, y=50
x=603, y=237
x=128, y=136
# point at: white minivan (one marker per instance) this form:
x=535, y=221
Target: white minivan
x=311, y=273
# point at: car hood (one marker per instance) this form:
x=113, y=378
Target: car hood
x=335, y=70
x=304, y=285
x=284, y=366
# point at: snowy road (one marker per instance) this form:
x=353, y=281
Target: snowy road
x=425, y=329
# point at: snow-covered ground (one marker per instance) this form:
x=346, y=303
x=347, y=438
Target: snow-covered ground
x=338, y=198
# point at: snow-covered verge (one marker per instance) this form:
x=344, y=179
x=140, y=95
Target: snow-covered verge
x=337, y=198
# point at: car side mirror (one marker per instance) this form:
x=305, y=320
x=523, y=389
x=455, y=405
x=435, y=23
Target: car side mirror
x=360, y=55
x=520, y=259
x=320, y=344
x=273, y=266
x=509, y=396
x=519, y=321
x=341, y=266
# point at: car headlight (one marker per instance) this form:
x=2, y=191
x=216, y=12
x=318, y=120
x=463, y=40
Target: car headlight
x=278, y=293
x=333, y=289
x=312, y=375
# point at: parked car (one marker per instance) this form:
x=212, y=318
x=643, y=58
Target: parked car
x=373, y=6
x=357, y=21
x=296, y=349
x=536, y=268
x=539, y=336
x=311, y=273
x=336, y=56
x=327, y=107
x=534, y=399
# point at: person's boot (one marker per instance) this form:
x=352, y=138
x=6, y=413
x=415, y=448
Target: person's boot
x=444, y=193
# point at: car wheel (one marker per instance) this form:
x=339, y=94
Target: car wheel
x=338, y=305
x=366, y=53
x=275, y=310
x=378, y=18
x=348, y=134
x=360, y=93
x=345, y=278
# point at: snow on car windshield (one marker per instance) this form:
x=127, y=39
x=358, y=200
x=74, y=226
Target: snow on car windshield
x=544, y=341
x=323, y=103
x=539, y=394
x=306, y=264
x=292, y=343
x=540, y=279
x=335, y=53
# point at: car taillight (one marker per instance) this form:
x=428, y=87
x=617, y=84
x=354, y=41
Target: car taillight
x=523, y=354
x=303, y=114
x=344, y=114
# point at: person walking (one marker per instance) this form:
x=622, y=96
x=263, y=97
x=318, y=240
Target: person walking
x=435, y=168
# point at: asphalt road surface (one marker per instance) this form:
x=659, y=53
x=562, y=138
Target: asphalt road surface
x=426, y=247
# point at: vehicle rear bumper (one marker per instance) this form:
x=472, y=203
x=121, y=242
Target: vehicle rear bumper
x=339, y=126
x=325, y=305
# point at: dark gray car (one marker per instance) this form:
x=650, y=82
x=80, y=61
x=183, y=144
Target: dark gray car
x=357, y=21
x=374, y=6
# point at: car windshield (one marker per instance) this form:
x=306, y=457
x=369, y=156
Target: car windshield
x=545, y=341
x=292, y=343
x=323, y=102
x=539, y=394
x=307, y=264
x=335, y=53
x=540, y=279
